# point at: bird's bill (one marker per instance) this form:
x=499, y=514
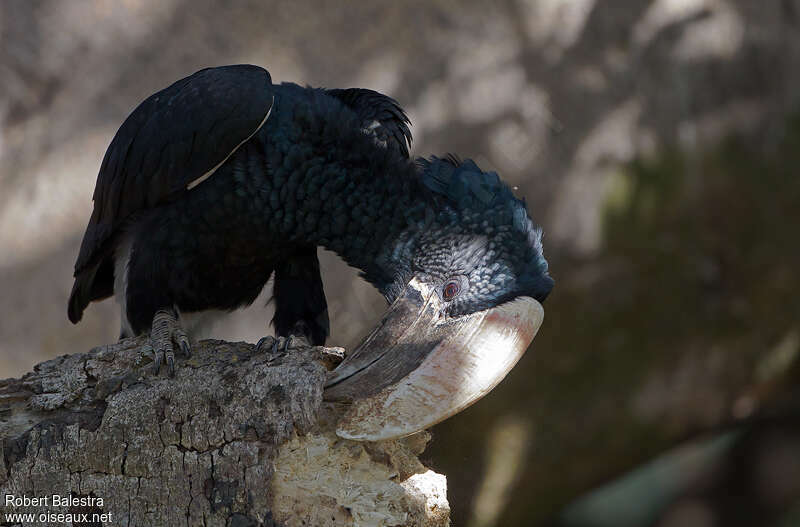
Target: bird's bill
x=417, y=368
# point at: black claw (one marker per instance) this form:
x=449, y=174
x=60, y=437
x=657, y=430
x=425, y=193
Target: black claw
x=267, y=345
x=274, y=345
x=262, y=343
x=165, y=333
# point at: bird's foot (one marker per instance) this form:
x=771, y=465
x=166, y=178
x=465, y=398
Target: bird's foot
x=275, y=345
x=299, y=338
x=165, y=331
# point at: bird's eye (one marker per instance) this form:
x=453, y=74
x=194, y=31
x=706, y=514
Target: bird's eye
x=451, y=290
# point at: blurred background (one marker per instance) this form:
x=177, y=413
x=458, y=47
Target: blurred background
x=656, y=141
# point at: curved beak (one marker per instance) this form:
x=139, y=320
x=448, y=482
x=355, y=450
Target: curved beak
x=417, y=368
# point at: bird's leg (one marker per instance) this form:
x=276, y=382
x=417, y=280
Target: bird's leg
x=299, y=297
x=164, y=332
x=299, y=337
x=301, y=311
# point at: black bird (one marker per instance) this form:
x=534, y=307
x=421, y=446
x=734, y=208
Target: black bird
x=223, y=179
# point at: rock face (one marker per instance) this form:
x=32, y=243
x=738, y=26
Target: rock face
x=237, y=438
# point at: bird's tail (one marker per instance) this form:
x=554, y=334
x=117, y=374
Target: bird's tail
x=91, y=283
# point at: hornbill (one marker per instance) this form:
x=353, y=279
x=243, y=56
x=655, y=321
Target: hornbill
x=224, y=179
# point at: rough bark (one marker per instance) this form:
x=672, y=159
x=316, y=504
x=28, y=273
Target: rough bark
x=236, y=438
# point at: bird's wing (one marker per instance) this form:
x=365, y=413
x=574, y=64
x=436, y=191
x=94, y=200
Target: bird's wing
x=380, y=115
x=171, y=142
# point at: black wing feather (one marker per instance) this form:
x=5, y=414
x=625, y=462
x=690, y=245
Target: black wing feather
x=374, y=107
x=172, y=138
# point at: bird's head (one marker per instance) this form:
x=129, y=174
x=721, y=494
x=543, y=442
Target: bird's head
x=477, y=246
x=466, y=304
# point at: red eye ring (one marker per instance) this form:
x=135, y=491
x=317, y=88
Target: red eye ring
x=451, y=290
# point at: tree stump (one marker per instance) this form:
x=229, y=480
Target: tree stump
x=237, y=438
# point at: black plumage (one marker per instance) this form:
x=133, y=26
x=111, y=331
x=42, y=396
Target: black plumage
x=172, y=138
x=223, y=179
